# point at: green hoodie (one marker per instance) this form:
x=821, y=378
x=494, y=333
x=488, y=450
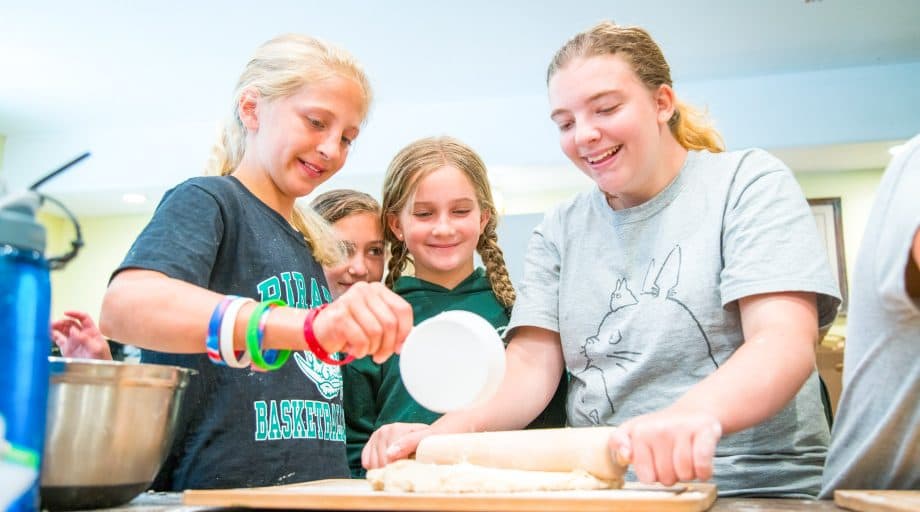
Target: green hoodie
x=374, y=394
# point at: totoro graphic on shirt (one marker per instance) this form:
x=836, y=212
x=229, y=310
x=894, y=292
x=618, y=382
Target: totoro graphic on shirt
x=612, y=352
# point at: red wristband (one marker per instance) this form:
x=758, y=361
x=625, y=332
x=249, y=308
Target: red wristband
x=314, y=345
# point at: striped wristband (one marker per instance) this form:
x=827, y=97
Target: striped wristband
x=212, y=341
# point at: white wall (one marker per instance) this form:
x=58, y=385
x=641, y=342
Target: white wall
x=833, y=106
x=775, y=111
x=82, y=283
x=2, y=146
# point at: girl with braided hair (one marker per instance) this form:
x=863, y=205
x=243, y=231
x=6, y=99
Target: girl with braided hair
x=437, y=211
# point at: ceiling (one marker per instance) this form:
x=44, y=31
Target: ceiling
x=156, y=75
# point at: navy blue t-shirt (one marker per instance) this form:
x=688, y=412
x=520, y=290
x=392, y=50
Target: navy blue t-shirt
x=240, y=428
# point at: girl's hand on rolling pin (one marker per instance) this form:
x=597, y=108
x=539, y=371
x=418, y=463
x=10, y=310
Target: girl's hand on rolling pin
x=668, y=446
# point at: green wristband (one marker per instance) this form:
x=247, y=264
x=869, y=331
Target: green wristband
x=254, y=331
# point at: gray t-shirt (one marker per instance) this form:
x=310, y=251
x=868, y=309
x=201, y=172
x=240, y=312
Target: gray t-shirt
x=876, y=441
x=645, y=301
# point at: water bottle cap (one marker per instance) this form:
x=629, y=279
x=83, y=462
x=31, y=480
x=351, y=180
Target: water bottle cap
x=19, y=228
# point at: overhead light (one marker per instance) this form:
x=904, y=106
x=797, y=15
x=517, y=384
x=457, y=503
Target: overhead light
x=894, y=150
x=134, y=198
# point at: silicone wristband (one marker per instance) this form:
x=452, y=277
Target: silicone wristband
x=233, y=358
x=268, y=355
x=212, y=341
x=310, y=337
x=254, y=339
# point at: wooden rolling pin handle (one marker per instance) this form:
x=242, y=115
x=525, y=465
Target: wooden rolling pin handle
x=563, y=449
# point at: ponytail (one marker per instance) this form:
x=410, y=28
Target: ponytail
x=693, y=130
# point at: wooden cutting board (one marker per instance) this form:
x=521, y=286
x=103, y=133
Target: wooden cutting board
x=878, y=501
x=358, y=495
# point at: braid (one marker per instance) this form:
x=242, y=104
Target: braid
x=399, y=254
x=494, y=260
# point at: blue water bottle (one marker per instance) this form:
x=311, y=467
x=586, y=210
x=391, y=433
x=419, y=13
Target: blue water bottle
x=25, y=299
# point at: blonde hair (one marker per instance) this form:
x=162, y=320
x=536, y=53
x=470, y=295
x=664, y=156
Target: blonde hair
x=279, y=68
x=335, y=205
x=691, y=127
x=416, y=161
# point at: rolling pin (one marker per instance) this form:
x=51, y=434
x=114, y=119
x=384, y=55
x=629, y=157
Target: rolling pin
x=551, y=449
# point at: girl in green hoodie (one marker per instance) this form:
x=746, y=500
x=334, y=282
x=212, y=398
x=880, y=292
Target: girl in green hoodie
x=437, y=211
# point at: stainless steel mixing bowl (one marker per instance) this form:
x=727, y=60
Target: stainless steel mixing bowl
x=110, y=425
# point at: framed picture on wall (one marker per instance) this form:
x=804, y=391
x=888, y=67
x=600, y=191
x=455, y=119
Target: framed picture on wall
x=826, y=211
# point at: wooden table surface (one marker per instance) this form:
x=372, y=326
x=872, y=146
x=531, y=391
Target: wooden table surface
x=771, y=504
x=172, y=502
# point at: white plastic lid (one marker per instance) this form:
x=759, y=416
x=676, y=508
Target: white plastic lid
x=452, y=360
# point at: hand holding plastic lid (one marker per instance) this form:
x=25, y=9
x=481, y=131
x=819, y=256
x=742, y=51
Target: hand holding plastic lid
x=452, y=360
